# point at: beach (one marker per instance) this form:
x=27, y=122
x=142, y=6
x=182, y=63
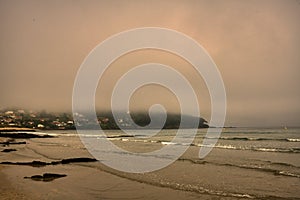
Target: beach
x=245, y=164
x=7, y=190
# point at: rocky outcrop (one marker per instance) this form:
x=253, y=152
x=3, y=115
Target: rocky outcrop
x=37, y=163
x=21, y=135
x=46, y=177
x=8, y=150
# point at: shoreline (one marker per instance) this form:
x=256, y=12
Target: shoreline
x=22, y=177
x=81, y=181
x=62, y=168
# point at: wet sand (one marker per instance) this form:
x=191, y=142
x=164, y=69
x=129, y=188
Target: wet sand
x=81, y=181
x=7, y=190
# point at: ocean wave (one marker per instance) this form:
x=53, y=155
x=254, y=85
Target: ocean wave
x=264, y=169
x=125, y=135
x=285, y=173
x=169, y=143
x=282, y=164
x=131, y=138
x=219, y=146
x=262, y=149
x=292, y=139
x=245, y=138
x=250, y=167
x=257, y=139
x=176, y=185
x=188, y=187
x=281, y=150
x=174, y=143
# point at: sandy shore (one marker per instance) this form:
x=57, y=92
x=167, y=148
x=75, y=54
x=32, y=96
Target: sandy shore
x=61, y=168
x=7, y=190
x=82, y=180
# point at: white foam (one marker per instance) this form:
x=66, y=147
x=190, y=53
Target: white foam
x=168, y=143
x=293, y=140
x=266, y=149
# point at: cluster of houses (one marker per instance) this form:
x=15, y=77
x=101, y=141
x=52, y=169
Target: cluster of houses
x=52, y=121
x=38, y=120
x=44, y=120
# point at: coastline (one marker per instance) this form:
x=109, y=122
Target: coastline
x=83, y=179
x=104, y=185
x=227, y=173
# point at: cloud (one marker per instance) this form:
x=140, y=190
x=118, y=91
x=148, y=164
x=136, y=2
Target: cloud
x=255, y=44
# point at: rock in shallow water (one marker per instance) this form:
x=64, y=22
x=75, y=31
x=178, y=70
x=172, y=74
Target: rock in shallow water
x=8, y=150
x=46, y=177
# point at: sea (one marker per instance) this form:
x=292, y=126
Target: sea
x=245, y=163
x=259, y=163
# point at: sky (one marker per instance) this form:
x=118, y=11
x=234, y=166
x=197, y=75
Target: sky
x=255, y=45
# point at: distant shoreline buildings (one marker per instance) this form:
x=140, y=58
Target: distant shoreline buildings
x=35, y=120
x=64, y=121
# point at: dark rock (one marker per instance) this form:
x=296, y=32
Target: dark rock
x=76, y=160
x=19, y=135
x=50, y=176
x=36, y=177
x=37, y=163
x=8, y=150
x=16, y=129
x=9, y=142
x=46, y=177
